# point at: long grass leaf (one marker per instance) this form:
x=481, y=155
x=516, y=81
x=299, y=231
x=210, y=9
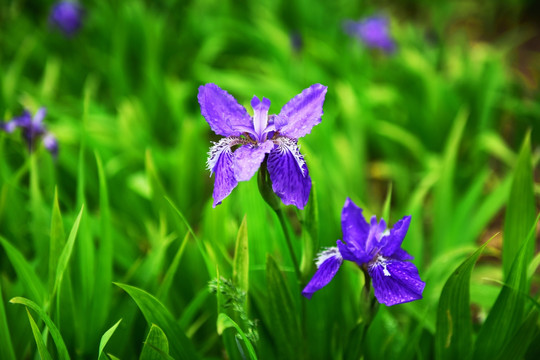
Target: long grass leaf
x=105, y=339
x=507, y=313
x=453, y=337
x=520, y=211
x=155, y=313
x=57, y=241
x=42, y=348
x=65, y=256
x=285, y=317
x=165, y=286
x=25, y=272
x=241, y=258
x=156, y=346
x=55, y=334
x=224, y=322
x=6, y=346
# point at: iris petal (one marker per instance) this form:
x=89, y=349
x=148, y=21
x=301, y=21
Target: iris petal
x=248, y=159
x=329, y=266
x=303, y=112
x=289, y=174
x=221, y=162
x=354, y=226
x=223, y=113
x=395, y=282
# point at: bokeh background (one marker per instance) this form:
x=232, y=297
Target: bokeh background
x=432, y=129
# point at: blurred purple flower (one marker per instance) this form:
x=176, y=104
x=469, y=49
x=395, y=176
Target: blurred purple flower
x=378, y=250
x=258, y=138
x=66, y=16
x=32, y=130
x=373, y=31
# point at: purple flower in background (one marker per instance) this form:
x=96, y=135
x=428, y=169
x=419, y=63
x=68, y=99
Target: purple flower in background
x=249, y=140
x=67, y=16
x=373, y=31
x=372, y=246
x=32, y=130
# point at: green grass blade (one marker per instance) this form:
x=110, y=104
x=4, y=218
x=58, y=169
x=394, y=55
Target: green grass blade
x=165, y=286
x=386, y=206
x=103, y=278
x=6, y=346
x=57, y=241
x=507, y=313
x=284, y=315
x=516, y=346
x=66, y=252
x=453, y=337
x=210, y=265
x=241, y=258
x=25, y=272
x=105, y=339
x=156, y=346
x=224, y=322
x=42, y=348
x=55, y=334
x=155, y=313
x=520, y=210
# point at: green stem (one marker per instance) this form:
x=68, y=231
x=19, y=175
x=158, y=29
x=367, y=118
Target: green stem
x=283, y=223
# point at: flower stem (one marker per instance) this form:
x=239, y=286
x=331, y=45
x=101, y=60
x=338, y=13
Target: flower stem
x=283, y=223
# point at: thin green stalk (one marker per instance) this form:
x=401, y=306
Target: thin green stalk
x=283, y=223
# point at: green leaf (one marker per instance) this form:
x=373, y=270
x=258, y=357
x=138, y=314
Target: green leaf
x=516, y=346
x=103, y=277
x=155, y=313
x=156, y=346
x=241, y=258
x=6, y=347
x=453, y=337
x=285, y=324
x=57, y=241
x=66, y=252
x=105, y=339
x=42, y=348
x=210, y=265
x=224, y=322
x=387, y=201
x=55, y=334
x=507, y=313
x=520, y=210
x=163, y=290
x=310, y=234
x=25, y=272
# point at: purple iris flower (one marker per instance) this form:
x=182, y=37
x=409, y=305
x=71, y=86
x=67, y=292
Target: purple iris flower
x=375, y=249
x=373, y=31
x=33, y=129
x=250, y=140
x=67, y=16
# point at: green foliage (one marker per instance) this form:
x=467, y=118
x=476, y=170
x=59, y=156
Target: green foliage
x=444, y=129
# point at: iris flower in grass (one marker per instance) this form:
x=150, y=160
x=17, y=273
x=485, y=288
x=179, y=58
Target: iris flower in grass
x=249, y=140
x=33, y=129
x=373, y=31
x=376, y=250
x=66, y=16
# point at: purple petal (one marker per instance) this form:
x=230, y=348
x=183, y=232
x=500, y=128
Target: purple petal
x=51, y=144
x=328, y=263
x=303, y=111
x=260, y=115
x=354, y=226
x=289, y=173
x=351, y=253
x=37, y=121
x=394, y=239
x=395, y=282
x=67, y=16
x=8, y=126
x=25, y=120
x=220, y=161
x=222, y=112
x=248, y=159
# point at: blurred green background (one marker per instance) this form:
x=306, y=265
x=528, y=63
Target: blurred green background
x=438, y=124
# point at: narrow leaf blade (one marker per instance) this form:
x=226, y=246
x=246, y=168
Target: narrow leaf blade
x=42, y=348
x=241, y=258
